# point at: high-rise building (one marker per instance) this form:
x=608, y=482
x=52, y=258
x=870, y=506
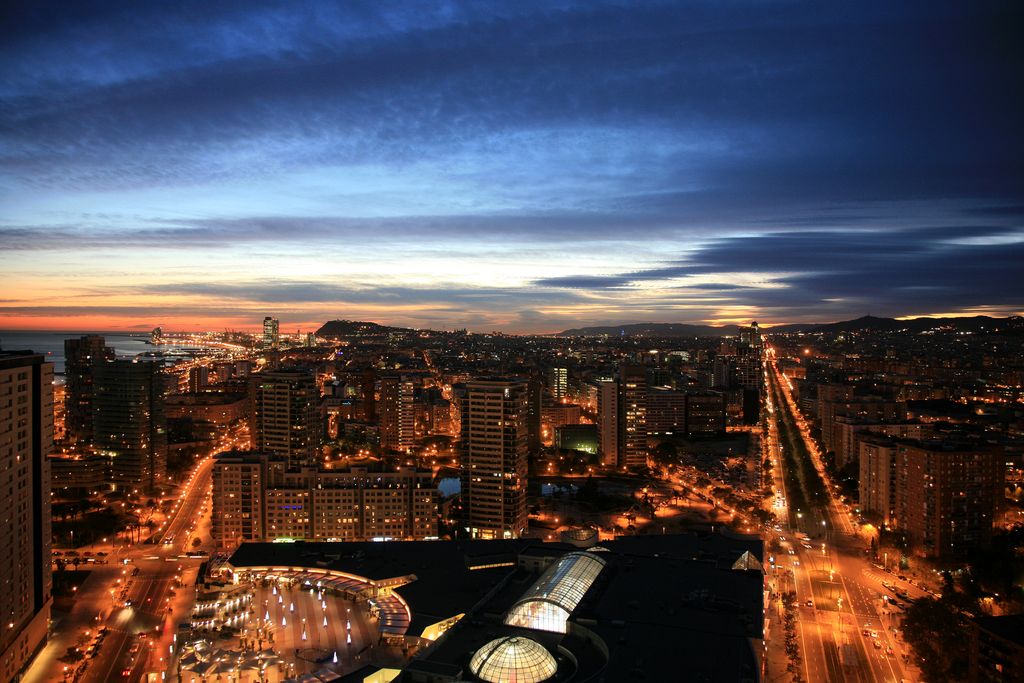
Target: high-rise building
x=608, y=421
x=947, y=495
x=494, y=457
x=705, y=413
x=666, y=411
x=751, y=336
x=877, y=481
x=271, y=336
x=130, y=421
x=534, y=391
x=942, y=494
x=560, y=383
x=286, y=416
x=632, y=416
x=81, y=356
x=397, y=413
x=239, y=479
x=26, y=440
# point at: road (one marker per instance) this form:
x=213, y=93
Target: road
x=160, y=568
x=845, y=627
x=148, y=582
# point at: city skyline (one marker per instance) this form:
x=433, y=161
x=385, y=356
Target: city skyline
x=506, y=167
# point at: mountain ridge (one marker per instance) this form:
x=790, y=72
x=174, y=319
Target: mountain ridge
x=864, y=323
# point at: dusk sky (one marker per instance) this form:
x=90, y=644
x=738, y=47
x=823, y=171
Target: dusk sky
x=516, y=166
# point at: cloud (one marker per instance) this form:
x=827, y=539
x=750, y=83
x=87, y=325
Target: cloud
x=674, y=151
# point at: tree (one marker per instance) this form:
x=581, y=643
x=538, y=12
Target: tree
x=935, y=630
x=196, y=542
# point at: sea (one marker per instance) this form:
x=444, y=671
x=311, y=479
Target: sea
x=51, y=344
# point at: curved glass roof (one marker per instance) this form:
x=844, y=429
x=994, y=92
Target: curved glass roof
x=513, y=659
x=550, y=601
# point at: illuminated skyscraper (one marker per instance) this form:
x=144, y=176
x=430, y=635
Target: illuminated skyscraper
x=632, y=416
x=494, y=457
x=271, y=337
x=26, y=440
x=286, y=416
x=130, y=421
x=397, y=413
x=80, y=359
x=608, y=421
x=559, y=383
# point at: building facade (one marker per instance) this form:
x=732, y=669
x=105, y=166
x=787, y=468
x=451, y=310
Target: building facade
x=257, y=500
x=632, y=416
x=286, y=416
x=494, y=457
x=948, y=495
x=81, y=356
x=130, y=421
x=397, y=411
x=271, y=333
x=608, y=421
x=26, y=440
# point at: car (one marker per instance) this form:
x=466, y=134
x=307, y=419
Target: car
x=878, y=644
x=809, y=603
x=866, y=632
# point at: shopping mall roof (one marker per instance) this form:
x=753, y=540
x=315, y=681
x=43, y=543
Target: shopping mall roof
x=551, y=600
x=513, y=658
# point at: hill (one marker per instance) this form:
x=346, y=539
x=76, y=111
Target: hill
x=866, y=323
x=653, y=330
x=355, y=328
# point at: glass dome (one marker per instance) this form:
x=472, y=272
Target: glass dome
x=513, y=659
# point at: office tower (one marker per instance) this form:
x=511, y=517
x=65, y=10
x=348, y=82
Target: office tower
x=608, y=421
x=80, y=359
x=238, y=485
x=26, y=440
x=494, y=457
x=271, y=338
x=286, y=416
x=559, y=383
x=632, y=416
x=130, y=421
x=723, y=372
x=310, y=340
x=751, y=336
x=157, y=335
x=705, y=413
x=666, y=411
x=397, y=413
